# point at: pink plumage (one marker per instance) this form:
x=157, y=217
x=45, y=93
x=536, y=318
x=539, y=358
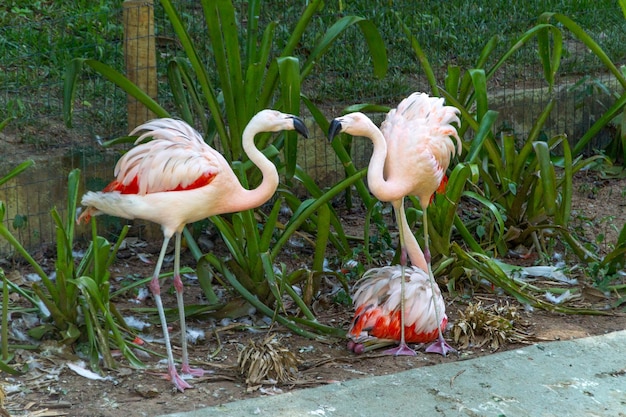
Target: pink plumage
x=412, y=151
x=377, y=306
x=176, y=159
x=175, y=179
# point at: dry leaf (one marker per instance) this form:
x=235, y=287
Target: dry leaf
x=267, y=362
x=495, y=326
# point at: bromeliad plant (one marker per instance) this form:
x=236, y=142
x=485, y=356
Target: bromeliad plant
x=468, y=92
x=250, y=76
x=5, y=355
x=524, y=190
x=75, y=304
x=618, y=108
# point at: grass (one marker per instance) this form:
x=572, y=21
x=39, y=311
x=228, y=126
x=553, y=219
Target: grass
x=39, y=37
x=37, y=40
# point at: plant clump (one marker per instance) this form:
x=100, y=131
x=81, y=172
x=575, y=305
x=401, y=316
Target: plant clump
x=267, y=362
x=495, y=326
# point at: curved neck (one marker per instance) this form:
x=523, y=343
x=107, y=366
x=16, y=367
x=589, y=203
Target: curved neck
x=385, y=191
x=376, y=168
x=377, y=180
x=259, y=195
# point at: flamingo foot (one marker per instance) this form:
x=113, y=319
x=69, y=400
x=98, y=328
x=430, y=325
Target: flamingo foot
x=357, y=348
x=441, y=347
x=401, y=350
x=178, y=381
x=188, y=370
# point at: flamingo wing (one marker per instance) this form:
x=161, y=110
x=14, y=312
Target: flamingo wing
x=418, y=136
x=177, y=158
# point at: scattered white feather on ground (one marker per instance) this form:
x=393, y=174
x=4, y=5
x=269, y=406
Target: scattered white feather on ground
x=136, y=323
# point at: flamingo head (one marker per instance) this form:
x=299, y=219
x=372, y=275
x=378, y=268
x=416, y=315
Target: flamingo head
x=355, y=124
x=274, y=121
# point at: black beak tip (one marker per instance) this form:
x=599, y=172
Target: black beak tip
x=300, y=127
x=334, y=129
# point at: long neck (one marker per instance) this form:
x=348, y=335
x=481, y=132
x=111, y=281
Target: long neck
x=259, y=195
x=386, y=191
x=377, y=181
x=376, y=169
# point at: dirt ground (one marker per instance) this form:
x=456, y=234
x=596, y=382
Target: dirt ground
x=51, y=388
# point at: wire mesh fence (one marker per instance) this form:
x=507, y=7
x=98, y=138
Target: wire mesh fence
x=37, y=51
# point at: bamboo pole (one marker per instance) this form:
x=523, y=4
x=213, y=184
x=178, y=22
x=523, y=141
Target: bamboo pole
x=140, y=56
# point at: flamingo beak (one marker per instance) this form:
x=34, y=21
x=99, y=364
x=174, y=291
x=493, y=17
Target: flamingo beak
x=334, y=129
x=300, y=127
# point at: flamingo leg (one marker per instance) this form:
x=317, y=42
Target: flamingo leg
x=402, y=348
x=155, y=288
x=440, y=346
x=178, y=285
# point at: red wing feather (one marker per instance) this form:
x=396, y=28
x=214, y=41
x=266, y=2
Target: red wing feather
x=133, y=186
x=385, y=326
x=441, y=189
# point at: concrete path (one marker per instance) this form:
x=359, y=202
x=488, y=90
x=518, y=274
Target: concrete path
x=578, y=378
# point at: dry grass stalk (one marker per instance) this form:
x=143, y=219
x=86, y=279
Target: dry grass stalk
x=495, y=326
x=267, y=362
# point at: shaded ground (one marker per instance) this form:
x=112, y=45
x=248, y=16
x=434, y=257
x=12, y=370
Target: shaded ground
x=51, y=388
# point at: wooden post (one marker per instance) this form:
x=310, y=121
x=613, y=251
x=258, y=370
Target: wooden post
x=140, y=56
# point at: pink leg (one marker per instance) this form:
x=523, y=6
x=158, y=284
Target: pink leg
x=440, y=346
x=155, y=288
x=178, y=285
x=427, y=254
x=402, y=348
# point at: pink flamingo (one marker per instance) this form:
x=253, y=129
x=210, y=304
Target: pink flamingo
x=377, y=319
x=412, y=151
x=175, y=179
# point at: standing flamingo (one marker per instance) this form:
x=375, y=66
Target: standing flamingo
x=175, y=179
x=412, y=151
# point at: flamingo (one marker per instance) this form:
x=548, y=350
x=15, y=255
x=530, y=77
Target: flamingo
x=377, y=315
x=175, y=179
x=412, y=151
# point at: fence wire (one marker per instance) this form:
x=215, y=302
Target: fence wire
x=31, y=85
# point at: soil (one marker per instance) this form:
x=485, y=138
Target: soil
x=51, y=388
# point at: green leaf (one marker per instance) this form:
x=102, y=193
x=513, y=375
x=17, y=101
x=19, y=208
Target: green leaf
x=5, y=122
x=548, y=177
x=323, y=231
x=4, y=367
x=289, y=70
x=484, y=130
x=492, y=208
x=584, y=37
x=421, y=56
x=479, y=82
x=202, y=76
x=372, y=37
x=15, y=172
x=20, y=221
x=307, y=210
x=71, y=76
x=224, y=36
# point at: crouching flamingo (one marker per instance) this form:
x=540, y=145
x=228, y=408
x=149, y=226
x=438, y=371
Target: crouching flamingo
x=377, y=300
